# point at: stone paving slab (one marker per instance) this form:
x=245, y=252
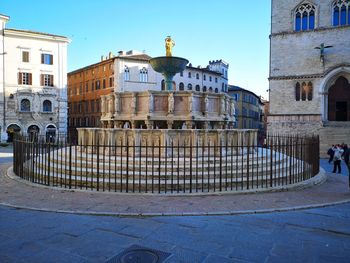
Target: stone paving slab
x=20, y=194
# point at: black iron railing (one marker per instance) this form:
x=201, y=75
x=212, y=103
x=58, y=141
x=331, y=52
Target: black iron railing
x=170, y=168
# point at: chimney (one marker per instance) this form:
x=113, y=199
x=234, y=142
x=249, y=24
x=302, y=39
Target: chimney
x=102, y=58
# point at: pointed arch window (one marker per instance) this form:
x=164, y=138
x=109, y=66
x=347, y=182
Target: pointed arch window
x=305, y=17
x=126, y=74
x=143, y=75
x=341, y=13
x=304, y=91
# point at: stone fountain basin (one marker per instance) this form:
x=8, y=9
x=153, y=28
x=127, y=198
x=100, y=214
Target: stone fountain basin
x=168, y=65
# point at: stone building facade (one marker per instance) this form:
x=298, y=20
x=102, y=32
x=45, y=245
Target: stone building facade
x=33, y=82
x=310, y=69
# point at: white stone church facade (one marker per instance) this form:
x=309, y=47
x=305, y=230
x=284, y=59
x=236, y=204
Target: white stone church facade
x=33, y=82
x=310, y=69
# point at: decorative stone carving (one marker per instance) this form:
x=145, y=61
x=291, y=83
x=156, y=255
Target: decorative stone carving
x=171, y=103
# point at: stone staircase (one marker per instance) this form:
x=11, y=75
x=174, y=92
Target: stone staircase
x=333, y=133
x=262, y=168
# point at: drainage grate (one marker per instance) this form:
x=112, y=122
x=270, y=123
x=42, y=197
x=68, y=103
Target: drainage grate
x=138, y=254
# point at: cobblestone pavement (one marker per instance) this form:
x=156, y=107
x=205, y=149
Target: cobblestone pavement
x=310, y=235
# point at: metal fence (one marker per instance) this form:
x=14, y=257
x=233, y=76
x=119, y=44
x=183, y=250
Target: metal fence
x=170, y=168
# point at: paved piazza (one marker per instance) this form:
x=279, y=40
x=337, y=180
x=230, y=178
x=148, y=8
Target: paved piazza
x=319, y=234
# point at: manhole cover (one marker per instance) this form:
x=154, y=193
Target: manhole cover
x=138, y=254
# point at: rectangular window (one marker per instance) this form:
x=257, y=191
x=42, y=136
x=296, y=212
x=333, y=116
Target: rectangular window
x=210, y=78
x=104, y=83
x=47, y=80
x=24, y=78
x=87, y=86
x=47, y=59
x=216, y=80
x=97, y=84
x=92, y=86
x=81, y=88
x=25, y=56
x=111, y=82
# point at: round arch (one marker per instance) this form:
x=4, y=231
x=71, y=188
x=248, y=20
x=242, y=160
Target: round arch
x=11, y=130
x=328, y=81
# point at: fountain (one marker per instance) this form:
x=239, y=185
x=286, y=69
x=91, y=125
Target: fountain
x=169, y=66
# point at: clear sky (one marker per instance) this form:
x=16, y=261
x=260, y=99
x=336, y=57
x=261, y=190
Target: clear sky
x=236, y=31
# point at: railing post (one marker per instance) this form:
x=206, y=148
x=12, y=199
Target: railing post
x=70, y=166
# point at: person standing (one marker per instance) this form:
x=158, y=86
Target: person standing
x=330, y=152
x=346, y=156
x=338, y=151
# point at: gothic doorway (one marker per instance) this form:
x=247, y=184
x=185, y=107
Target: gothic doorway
x=339, y=100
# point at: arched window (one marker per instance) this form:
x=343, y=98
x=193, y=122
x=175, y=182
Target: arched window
x=163, y=84
x=197, y=76
x=341, y=13
x=25, y=105
x=210, y=89
x=309, y=91
x=47, y=106
x=189, y=86
x=198, y=88
x=181, y=86
x=216, y=90
x=204, y=88
x=143, y=75
x=204, y=77
x=222, y=87
x=126, y=74
x=189, y=74
x=305, y=17
x=297, y=91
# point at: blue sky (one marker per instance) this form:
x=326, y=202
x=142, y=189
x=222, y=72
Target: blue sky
x=236, y=31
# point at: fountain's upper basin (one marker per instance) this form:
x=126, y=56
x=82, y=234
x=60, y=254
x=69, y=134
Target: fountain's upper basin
x=168, y=65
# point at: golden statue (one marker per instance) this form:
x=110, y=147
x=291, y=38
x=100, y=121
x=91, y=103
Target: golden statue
x=169, y=44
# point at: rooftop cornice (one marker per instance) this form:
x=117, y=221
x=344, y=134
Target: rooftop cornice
x=34, y=34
